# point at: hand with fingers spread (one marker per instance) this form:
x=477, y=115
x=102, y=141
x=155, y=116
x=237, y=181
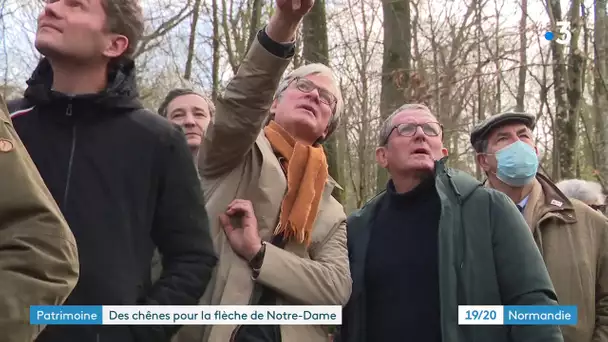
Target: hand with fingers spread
x=244, y=240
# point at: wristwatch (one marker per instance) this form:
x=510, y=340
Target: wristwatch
x=256, y=262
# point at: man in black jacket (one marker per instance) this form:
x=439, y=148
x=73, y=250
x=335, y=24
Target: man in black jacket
x=122, y=176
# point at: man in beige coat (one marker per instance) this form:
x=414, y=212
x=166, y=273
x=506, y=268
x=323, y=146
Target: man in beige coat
x=273, y=181
x=572, y=237
x=38, y=256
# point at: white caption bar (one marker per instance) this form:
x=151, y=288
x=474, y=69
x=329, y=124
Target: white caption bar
x=222, y=315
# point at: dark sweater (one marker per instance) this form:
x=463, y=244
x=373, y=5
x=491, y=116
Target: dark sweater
x=401, y=272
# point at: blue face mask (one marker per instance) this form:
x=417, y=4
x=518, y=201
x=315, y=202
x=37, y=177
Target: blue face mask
x=517, y=164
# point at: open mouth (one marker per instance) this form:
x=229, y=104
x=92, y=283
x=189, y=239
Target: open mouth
x=421, y=151
x=308, y=108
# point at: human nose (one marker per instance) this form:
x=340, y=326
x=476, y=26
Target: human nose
x=51, y=10
x=315, y=94
x=189, y=120
x=418, y=131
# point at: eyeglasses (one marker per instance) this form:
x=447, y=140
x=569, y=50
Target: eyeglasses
x=307, y=86
x=431, y=129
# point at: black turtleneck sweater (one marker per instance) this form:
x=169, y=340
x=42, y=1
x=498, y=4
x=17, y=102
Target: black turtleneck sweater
x=401, y=273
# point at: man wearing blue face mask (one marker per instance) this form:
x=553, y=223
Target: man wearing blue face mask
x=433, y=240
x=572, y=237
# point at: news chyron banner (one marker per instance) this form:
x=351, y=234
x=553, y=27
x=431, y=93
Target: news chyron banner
x=186, y=315
x=517, y=315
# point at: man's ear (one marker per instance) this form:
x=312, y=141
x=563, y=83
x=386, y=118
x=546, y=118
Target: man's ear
x=117, y=45
x=326, y=132
x=381, y=157
x=482, y=161
x=444, y=152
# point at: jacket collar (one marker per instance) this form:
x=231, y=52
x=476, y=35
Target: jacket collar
x=545, y=198
x=452, y=182
x=120, y=93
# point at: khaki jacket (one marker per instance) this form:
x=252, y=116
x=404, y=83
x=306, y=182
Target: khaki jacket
x=573, y=239
x=38, y=256
x=240, y=163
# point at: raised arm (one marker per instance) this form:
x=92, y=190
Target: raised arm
x=245, y=105
x=38, y=256
x=522, y=275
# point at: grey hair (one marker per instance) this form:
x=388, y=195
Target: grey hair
x=586, y=191
x=482, y=145
x=323, y=70
x=387, y=125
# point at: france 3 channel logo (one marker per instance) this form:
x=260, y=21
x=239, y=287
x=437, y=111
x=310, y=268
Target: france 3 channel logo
x=563, y=34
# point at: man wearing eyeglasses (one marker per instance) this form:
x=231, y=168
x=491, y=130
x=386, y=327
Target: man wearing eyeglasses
x=280, y=234
x=571, y=236
x=436, y=239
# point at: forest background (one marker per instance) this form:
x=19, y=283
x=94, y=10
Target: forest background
x=465, y=59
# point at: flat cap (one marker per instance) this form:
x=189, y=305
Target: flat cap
x=481, y=131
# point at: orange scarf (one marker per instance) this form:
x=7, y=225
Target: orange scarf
x=306, y=176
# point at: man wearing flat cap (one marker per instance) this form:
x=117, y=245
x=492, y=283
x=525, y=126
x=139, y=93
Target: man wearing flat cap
x=571, y=236
x=435, y=239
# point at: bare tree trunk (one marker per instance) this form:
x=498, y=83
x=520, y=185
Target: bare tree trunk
x=563, y=152
x=229, y=38
x=600, y=86
x=297, y=57
x=315, y=50
x=576, y=66
x=191, y=48
x=215, y=69
x=396, y=63
x=497, y=61
x=314, y=31
x=254, y=25
x=523, y=61
x=480, y=115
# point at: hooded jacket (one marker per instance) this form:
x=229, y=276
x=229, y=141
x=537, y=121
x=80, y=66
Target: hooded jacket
x=487, y=256
x=124, y=179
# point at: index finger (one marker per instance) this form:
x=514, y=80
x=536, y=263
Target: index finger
x=243, y=208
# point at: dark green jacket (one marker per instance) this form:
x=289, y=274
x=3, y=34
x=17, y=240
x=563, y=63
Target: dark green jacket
x=487, y=256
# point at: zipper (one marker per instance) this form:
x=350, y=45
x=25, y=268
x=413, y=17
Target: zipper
x=66, y=191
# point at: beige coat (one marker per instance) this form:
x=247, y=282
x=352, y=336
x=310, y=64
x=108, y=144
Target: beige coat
x=573, y=239
x=239, y=163
x=38, y=256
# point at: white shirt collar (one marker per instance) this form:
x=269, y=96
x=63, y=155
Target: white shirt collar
x=523, y=202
